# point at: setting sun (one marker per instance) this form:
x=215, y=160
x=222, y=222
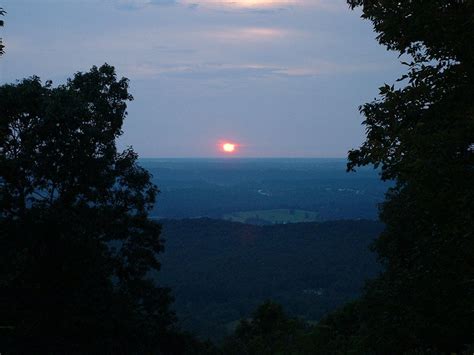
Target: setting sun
x=228, y=147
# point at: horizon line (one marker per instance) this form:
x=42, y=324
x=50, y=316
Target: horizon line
x=242, y=158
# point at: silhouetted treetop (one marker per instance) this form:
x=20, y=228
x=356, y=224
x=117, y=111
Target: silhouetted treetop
x=444, y=28
x=77, y=247
x=421, y=133
x=430, y=110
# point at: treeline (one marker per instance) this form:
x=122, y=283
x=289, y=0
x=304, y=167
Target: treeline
x=221, y=271
x=269, y=330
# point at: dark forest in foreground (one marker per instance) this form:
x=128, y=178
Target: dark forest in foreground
x=221, y=271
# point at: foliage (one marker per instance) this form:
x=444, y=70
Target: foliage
x=2, y=13
x=443, y=29
x=339, y=332
x=76, y=245
x=269, y=331
x=421, y=133
x=221, y=271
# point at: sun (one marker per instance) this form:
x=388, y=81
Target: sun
x=228, y=147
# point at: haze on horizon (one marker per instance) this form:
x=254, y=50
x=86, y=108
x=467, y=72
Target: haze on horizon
x=280, y=78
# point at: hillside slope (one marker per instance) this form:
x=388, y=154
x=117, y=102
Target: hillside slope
x=220, y=271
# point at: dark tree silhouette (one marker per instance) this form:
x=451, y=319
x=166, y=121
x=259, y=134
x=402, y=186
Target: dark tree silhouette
x=270, y=331
x=77, y=250
x=2, y=13
x=421, y=133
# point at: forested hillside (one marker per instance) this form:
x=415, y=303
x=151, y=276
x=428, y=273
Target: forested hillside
x=221, y=271
x=220, y=188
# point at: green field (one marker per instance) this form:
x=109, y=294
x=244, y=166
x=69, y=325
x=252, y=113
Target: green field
x=279, y=216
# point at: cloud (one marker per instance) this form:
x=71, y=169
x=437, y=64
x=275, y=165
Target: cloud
x=256, y=6
x=249, y=70
x=249, y=34
x=245, y=3
x=206, y=71
x=266, y=6
x=138, y=4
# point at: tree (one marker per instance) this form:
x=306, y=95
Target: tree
x=270, y=331
x=421, y=133
x=338, y=332
x=2, y=13
x=77, y=250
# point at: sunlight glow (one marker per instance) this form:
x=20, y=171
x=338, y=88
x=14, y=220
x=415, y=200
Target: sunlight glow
x=244, y=3
x=250, y=34
x=228, y=147
x=257, y=3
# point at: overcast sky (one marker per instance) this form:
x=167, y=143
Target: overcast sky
x=280, y=78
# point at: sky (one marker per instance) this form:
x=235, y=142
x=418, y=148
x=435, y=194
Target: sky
x=280, y=78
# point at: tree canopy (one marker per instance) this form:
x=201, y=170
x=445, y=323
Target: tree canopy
x=269, y=331
x=421, y=133
x=77, y=250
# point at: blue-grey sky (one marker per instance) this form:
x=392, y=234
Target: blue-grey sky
x=281, y=78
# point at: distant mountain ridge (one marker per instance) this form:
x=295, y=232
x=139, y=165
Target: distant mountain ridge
x=220, y=271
